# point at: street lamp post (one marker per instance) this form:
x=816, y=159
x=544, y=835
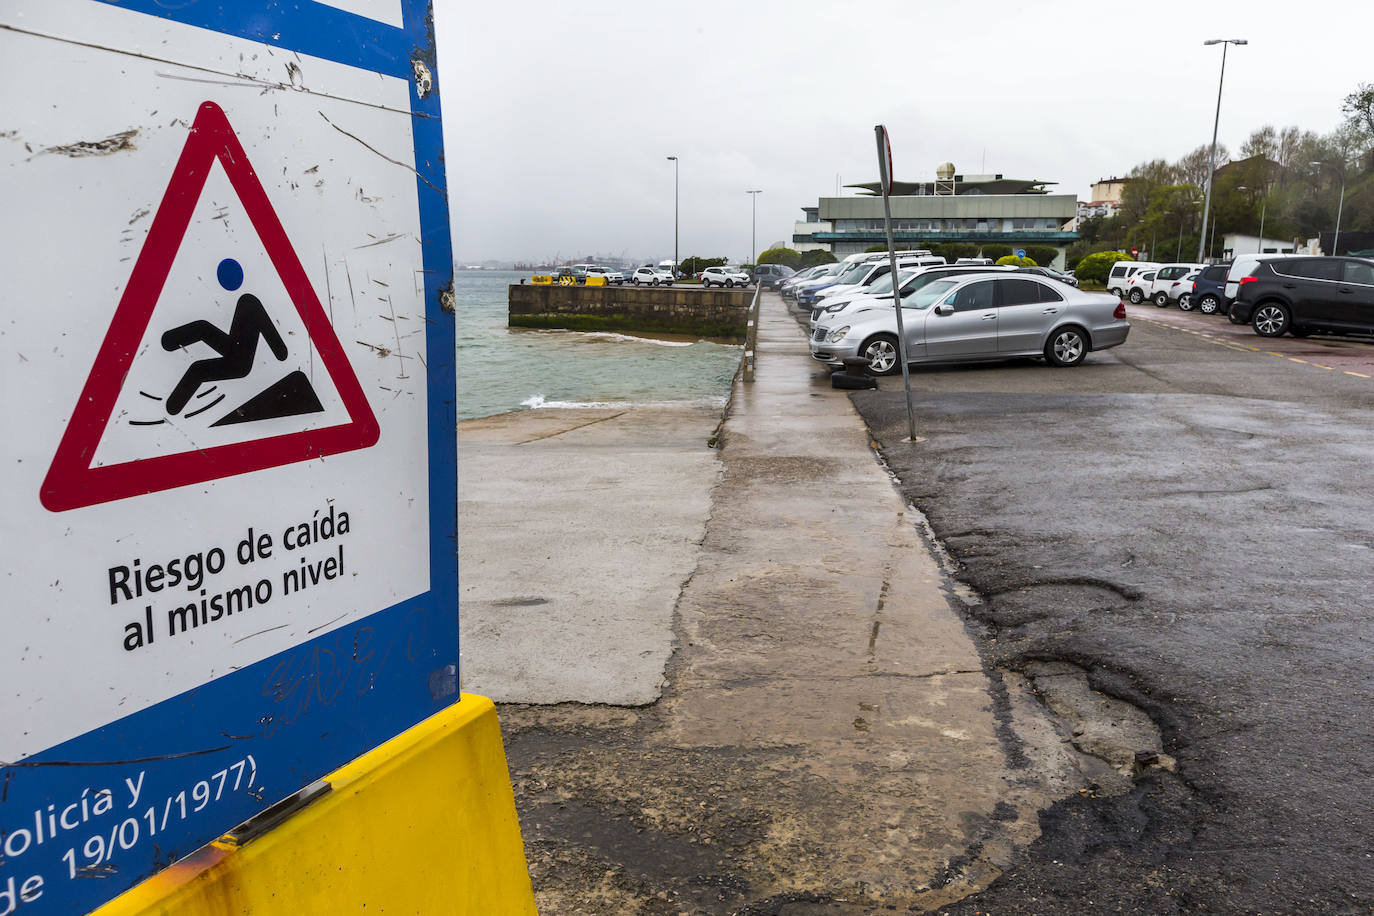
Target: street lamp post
x=673, y=160
x=1340, y=206
x=1264, y=206
x=1212, y=156
x=753, y=223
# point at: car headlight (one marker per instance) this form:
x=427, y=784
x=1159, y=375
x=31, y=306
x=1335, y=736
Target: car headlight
x=837, y=335
x=836, y=307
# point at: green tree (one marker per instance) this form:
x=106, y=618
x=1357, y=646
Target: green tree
x=1012, y=260
x=875, y=248
x=953, y=251
x=1042, y=254
x=788, y=257
x=813, y=258
x=1095, y=267
x=996, y=251
x=694, y=265
x=1359, y=111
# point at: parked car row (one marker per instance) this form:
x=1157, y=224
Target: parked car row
x=954, y=313
x=1274, y=294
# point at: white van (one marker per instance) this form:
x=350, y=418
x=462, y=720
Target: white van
x=1243, y=266
x=1119, y=277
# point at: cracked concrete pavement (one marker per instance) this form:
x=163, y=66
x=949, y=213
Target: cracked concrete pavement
x=827, y=739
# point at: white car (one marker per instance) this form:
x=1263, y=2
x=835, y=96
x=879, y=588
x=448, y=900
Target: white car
x=614, y=276
x=876, y=271
x=879, y=293
x=1139, y=285
x=652, y=276
x=1160, y=288
x=1180, y=292
x=723, y=276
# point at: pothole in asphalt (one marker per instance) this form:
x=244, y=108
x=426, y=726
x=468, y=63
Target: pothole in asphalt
x=1116, y=741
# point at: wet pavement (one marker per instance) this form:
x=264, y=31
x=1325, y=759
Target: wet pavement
x=828, y=739
x=1186, y=518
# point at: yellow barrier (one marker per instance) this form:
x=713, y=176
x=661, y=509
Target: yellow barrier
x=567, y=281
x=595, y=281
x=542, y=280
x=423, y=824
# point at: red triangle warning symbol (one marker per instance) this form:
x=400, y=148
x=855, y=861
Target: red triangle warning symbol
x=76, y=479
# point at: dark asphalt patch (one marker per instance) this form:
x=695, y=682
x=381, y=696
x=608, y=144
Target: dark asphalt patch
x=1204, y=557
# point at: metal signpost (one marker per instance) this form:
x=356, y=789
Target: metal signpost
x=230, y=452
x=885, y=179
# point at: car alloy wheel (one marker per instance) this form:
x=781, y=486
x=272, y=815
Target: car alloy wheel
x=881, y=353
x=1066, y=347
x=1185, y=302
x=1135, y=296
x=1162, y=299
x=635, y=281
x=1270, y=320
x=1208, y=305
x=705, y=284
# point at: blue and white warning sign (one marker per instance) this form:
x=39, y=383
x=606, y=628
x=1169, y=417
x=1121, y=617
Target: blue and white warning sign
x=228, y=376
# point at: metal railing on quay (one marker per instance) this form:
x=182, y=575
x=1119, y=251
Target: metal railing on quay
x=751, y=334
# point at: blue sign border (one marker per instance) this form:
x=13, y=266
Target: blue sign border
x=276, y=726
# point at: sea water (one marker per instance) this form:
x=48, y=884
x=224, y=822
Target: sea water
x=501, y=369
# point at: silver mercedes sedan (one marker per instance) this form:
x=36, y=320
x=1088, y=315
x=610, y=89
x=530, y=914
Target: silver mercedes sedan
x=978, y=317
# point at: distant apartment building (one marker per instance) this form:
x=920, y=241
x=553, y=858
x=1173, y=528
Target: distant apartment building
x=1106, y=199
x=982, y=209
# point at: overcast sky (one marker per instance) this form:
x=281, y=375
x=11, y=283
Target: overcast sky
x=559, y=116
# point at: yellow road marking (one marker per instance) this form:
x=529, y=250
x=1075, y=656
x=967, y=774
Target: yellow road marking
x=1293, y=359
x=1320, y=366
x=1357, y=374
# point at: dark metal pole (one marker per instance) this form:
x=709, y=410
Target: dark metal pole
x=675, y=260
x=1212, y=156
x=885, y=179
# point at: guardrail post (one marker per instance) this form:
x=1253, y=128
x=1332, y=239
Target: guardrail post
x=751, y=334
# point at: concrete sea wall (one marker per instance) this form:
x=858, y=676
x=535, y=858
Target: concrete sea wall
x=719, y=313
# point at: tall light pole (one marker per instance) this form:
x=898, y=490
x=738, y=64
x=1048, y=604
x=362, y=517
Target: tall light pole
x=1212, y=156
x=1336, y=239
x=1264, y=206
x=673, y=160
x=753, y=223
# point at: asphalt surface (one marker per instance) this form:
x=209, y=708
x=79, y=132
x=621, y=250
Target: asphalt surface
x=1188, y=518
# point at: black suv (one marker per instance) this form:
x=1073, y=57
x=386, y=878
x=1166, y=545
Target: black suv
x=1302, y=295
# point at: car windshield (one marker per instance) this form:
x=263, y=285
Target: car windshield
x=853, y=272
x=928, y=294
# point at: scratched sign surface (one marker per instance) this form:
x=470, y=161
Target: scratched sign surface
x=228, y=385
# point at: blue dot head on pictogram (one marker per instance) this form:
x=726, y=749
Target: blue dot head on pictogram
x=230, y=274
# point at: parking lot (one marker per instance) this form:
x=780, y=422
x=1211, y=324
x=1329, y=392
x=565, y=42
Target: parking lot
x=1352, y=356
x=1187, y=518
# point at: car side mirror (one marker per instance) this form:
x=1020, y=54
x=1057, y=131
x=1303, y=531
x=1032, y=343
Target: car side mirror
x=944, y=309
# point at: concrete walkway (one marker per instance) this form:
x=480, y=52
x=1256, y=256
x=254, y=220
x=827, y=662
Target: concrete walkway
x=828, y=739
